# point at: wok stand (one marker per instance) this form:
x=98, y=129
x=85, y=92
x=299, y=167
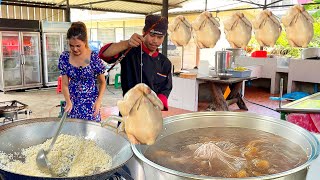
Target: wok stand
x=123, y=173
x=9, y=110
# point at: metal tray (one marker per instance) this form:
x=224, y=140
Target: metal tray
x=11, y=106
x=309, y=104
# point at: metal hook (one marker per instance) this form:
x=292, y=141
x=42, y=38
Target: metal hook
x=218, y=19
x=205, y=5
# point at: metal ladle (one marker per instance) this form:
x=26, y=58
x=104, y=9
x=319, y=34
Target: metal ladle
x=42, y=160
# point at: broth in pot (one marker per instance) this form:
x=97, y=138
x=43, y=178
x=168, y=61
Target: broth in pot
x=229, y=152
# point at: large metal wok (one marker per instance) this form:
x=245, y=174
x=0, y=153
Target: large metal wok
x=22, y=134
x=178, y=123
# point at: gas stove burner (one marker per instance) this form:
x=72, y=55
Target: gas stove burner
x=7, y=119
x=9, y=110
x=10, y=106
x=122, y=173
x=115, y=177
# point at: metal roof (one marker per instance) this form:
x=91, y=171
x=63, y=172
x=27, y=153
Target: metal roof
x=124, y=6
x=153, y=6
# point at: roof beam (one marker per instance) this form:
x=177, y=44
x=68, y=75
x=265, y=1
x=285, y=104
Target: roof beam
x=240, y=9
x=54, y=6
x=29, y=4
x=60, y=3
x=172, y=6
x=95, y=2
x=107, y=10
x=250, y=2
x=133, y=1
x=274, y=2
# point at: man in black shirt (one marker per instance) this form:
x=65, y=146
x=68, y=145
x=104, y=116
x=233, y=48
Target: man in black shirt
x=156, y=68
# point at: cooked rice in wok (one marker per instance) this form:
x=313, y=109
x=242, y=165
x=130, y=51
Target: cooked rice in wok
x=71, y=155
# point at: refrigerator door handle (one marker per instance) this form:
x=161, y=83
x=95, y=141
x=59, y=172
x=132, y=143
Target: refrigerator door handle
x=23, y=59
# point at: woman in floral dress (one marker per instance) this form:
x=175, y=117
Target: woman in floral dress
x=80, y=69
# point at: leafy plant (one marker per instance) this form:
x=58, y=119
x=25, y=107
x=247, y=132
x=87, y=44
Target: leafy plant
x=313, y=7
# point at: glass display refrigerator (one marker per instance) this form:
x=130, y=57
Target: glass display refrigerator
x=20, y=54
x=53, y=44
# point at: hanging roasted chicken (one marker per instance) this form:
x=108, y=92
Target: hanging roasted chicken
x=299, y=26
x=206, y=30
x=179, y=31
x=267, y=28
x=238, y=30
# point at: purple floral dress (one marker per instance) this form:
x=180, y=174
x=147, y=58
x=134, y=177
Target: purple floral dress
x=82, y=85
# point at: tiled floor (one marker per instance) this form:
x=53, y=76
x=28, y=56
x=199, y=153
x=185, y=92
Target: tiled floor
x=259, y=96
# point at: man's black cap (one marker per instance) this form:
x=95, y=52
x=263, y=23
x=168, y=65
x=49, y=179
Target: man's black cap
x=161, y=27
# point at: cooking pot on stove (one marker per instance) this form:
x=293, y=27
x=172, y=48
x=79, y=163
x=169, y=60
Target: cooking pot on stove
x=25, y=133
x=178, y=123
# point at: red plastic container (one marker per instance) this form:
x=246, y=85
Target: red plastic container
x=304, y=120
x=316, y=120
x=59, y=86
x=259, y=54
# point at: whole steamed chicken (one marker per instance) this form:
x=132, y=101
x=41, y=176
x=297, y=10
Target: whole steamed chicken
x=206, y=30
x=180, y=31
x=141, y=112
x=299, y=26
x=267, y=28
x=238, y=30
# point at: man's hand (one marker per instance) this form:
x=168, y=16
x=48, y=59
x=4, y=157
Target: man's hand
x=135, y=40
x=133, y=139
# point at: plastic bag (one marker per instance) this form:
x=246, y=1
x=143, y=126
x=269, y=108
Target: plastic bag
x=302, y=120
x=219, y=150
x=295, y=95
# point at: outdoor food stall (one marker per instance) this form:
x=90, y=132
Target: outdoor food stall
x=143, y=144
x=190, y=146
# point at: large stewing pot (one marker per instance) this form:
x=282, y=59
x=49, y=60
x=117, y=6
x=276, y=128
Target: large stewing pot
x=175, y=124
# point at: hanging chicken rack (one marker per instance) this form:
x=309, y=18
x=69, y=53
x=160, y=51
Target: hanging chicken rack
x=259, y=6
